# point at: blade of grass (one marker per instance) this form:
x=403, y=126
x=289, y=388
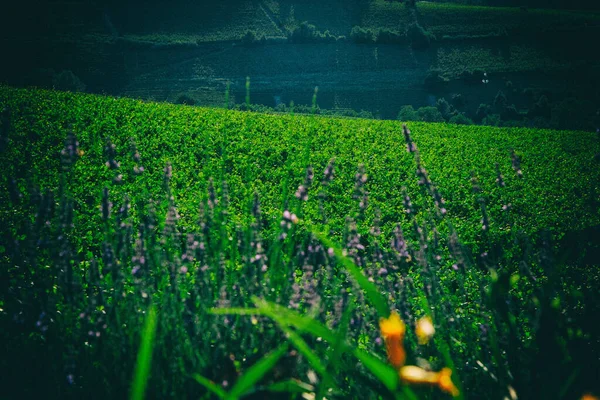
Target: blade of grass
x=236, y=311
x=143, y=363
x=371, y=291
x=383, y=371
x=290, y=318
x=256, y=372
x=291, y=386
x=210, y=385
x=299, y=343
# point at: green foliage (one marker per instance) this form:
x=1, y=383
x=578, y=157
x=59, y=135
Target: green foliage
x=429, y=114
x=362, y=35
x=407, y=113
x=483, y=111
x=418, y=37
x=435, y=79
x=67, y=80
x=251, y=38
x=185, y=99
x=388, y=36
x=144, y=358
x=256, y=372
x=460, y=119
x=308, y=33
x=445, y=108
x=125, y=209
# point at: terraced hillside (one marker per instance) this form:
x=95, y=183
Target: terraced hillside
x=534, y=56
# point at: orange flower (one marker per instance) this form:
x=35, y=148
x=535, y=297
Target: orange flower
x=392, y=330
x=424, y=330
x=589, y=396
x=415, y=375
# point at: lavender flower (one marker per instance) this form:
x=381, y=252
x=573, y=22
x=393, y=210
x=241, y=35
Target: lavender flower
x=302, y=192
x=410, y=145
x=499, y=178
x=360, y=180
x=516, y=164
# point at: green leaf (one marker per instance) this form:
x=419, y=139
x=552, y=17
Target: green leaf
x=291, y=386
x=236, y=311
x=301, y=345
x=143, y=363
x=256, y=372
x=291, y=318
x=372, y=292
x=210, y=385
x=383, y=371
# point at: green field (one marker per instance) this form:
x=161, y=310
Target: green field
x=239, y=297
x=262, y=153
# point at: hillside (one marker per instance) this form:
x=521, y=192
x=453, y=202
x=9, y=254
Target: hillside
x=539, y=58
x=115, y=238
x=267, y=154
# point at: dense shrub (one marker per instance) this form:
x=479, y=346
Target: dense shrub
x=429, y=114
x=186, y=99
x=483, y=111
x=460, y=119
x=445, y=108
x=458, y=100
x=387, y=36
x=510, y=112
x=308, y=33
x=251, y=37
x=361, y=35
x=407, y=113
x=541, y=108
x=492, y=120
x=67, y=80
x=571, y=113
x=418, y=37
x=500, y=102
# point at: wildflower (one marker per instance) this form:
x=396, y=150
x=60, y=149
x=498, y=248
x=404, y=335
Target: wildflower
x=424, y=330
x=393, y=330
x=588, y=396
x=415, y=375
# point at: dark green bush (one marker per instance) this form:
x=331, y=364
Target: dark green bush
x=418, y=37
x=186, y=99
x=492, y=120
x=429, y=114
x=483, y=111
x=510, y=112
x=445, y=108
x=308, y=33
x=361, y=35
x=67, y=80
x=460, y=119
x=407, y=113
x=435, y=79
x=251, y=37
x=541, y=108
x=500, y=102
x=458, y=100
x=387, y=36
